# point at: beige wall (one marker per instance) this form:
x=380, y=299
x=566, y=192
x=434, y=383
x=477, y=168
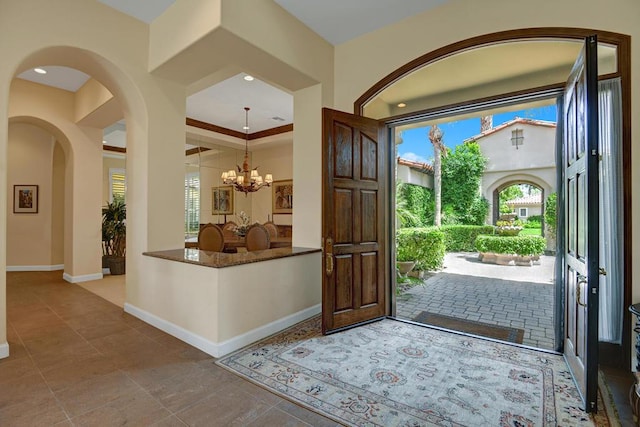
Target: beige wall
x=279, y=162
x=57, y=205
x=31, y=162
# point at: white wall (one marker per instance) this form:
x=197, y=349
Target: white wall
x=411, y=176
x=537, y=151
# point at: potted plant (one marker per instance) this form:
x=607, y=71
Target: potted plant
x=114, y=236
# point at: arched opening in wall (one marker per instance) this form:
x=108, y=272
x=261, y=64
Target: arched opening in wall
x=86, y=98
x=477, y=79
x=522, y=202
x=37, y=158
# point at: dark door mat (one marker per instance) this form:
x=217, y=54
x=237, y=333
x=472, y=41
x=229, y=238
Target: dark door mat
x=503, y=333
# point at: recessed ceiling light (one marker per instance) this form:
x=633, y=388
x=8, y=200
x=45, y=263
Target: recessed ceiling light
x=402, y=105
x=245, y=127
x=40, y=70
x=104, y=142
x=248, y=78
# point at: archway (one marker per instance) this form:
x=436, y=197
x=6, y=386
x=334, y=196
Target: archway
x=493, y=189
x=41, y=151
x=622, y=69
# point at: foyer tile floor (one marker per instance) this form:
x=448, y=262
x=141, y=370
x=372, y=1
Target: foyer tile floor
x=77, y=359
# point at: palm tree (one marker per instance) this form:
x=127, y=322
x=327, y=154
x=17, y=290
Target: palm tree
x=439, y=150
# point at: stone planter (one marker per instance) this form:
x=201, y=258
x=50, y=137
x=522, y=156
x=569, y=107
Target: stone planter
x=508, y=259
x=405, y=267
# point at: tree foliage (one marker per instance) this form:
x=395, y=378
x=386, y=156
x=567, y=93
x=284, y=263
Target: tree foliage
x=550, y=214
x=418, y=200
x=462, y=171
x=509, y=193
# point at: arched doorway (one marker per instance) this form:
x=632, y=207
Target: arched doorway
x=371, y=104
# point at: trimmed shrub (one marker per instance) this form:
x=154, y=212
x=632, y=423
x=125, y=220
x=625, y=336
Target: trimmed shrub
x=518, y=245
x=462, y=238
x=532, y=224
x=424, y=245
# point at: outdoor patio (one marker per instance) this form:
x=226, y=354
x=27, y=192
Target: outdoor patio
x=511, y=296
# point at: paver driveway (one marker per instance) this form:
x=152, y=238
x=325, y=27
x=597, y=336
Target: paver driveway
x=514, y=296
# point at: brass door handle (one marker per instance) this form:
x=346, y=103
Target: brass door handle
x=581, y=280
x=328, y=250
x=329, y=264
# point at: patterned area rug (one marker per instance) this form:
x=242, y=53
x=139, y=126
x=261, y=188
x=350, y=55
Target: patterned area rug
x=503, y=333
x=391, y=373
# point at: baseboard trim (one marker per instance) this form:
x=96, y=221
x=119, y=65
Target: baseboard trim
x=4, y=350
x=221, y=349
x=82, y=278
x=106, y=271
x=35, y=267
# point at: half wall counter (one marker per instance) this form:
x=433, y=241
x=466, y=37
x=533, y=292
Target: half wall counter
x=220, y=302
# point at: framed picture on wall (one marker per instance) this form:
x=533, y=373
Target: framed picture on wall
x=222, y=200
x=282, y=197
x=25, y=199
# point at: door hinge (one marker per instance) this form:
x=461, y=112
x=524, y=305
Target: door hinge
x=594, y=152
x=594, y=291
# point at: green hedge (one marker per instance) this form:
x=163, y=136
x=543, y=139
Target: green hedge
x=424, y=245
x=519, y=245
x=462, y=238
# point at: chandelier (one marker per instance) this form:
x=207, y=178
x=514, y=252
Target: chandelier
x=246, y=180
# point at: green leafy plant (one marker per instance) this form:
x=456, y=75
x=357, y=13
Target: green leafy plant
x=423, y=245
x=404, y=212
x=550, y=215
x=509, y=245
x=461, y=238
x=114, y=228
x=420, y=201
x=532, y=223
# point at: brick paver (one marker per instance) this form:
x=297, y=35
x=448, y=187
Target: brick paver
x=526, y=305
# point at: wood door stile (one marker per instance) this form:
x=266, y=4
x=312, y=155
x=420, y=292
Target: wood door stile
x=354, y=185
x=581, y=205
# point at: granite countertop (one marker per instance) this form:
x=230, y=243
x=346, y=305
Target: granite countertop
x=221, y=259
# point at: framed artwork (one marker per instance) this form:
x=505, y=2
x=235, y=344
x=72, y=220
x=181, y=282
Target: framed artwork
x=25, y=199
x=282, y=197
x=222, y=200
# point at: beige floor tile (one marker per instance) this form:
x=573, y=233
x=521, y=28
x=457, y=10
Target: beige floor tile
x=22, y=390
x=35, y=412
x=63, y=375
x=229, y=406
x=111, y=288
x=171, y=421
x=306, y=415
x=96, y=392
x=131, y=410
x=277, y=418
x=181, y=391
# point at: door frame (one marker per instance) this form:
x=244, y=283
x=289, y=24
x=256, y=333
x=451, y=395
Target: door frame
x=615, y=355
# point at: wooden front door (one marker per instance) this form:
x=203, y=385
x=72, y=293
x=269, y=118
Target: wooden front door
x=580, y=171
x=354, y=220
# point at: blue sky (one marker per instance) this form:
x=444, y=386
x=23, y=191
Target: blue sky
x=417, y=147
